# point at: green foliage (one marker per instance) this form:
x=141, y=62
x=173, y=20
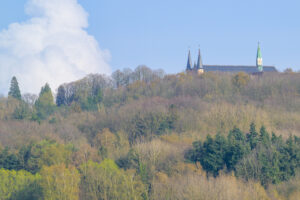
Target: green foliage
x=264, y=136
x=133, y=160
x=237, y=148
x=88, y=93
x=262, y=164
x=252, y=137
x=93, y=100
x=211, y=154
x=61, y=96
x=289, y=156
x=151, y=124
x=97, y=95
x=34, y=156
x=14, y=90
x=157, y=117
x=19, y=185
x=60, y=182
x=22, y=111
x=9, y=160
x=45, y=103
x=107, y=181
x=250, y=156
x=45, y=153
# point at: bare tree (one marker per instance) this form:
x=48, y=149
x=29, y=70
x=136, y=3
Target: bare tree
x=30, y=99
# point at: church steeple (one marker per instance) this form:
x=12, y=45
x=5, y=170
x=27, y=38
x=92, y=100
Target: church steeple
x=199, y=68
x=199, y=63
x=189, y=62
x=259, y=61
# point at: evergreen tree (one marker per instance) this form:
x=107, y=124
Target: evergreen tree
x=45, y=89
x=264, y=136
x=195, y=153
x=9, y=160
x=237, y=148
x=14, y=90
x=268, y=159
x=212, y=154
x=97, y=94
x=173, y=117
x=252, y=137
x=45, y=103
x=93, y=99
x=277, y=141
x=139, y=128
x=290, y=158
x=61, y=96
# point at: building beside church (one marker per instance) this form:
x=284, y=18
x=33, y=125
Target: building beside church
x=199, y=68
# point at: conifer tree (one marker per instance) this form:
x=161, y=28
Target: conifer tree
x=97, y=94
x=252, y=137
x=46, y=90
x=61, y=96
x=212, y=154
x=264, y=136
x=237, y=148
x=45, y=103
x=14, y=90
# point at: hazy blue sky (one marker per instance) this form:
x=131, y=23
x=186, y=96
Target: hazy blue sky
x=157, y=33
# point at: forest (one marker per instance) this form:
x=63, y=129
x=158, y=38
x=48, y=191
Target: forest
x=144, y=134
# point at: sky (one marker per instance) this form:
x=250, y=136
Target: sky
x=128, y=33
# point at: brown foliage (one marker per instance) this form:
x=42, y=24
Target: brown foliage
x=195, y=186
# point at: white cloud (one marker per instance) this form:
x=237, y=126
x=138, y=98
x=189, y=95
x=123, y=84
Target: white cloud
x=52, y=46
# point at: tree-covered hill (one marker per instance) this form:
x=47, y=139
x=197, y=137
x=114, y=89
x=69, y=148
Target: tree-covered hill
x=144, y=134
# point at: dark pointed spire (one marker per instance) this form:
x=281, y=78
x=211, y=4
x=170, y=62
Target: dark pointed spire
x=199, y=64
x=189, y=62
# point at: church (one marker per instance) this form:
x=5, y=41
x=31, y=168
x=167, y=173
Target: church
x=199, y=68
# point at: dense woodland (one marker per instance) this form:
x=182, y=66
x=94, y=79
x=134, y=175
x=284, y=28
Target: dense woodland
x=144, y=134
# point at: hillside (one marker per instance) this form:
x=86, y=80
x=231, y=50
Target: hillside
x=144, y=134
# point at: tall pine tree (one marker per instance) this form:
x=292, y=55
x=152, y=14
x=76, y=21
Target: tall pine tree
x=252, y=136
x=61, y=96
x=14, y=90
x=264, y=136
x=45, y=103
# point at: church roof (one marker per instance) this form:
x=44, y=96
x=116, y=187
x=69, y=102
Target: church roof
x=237, y=68
x=258, y=69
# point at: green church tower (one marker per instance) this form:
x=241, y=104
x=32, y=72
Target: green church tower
x=259, y=61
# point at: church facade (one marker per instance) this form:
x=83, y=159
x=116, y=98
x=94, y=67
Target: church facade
x=199, y=68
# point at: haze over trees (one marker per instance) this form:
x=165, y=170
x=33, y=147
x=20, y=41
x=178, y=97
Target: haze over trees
x=144, y=134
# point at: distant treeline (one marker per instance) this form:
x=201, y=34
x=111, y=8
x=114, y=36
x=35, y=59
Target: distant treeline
x=127, y=85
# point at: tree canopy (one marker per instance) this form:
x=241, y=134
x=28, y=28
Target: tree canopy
x=142, y=134
x=14, y=90
x=45, y=103
x=270, y=160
